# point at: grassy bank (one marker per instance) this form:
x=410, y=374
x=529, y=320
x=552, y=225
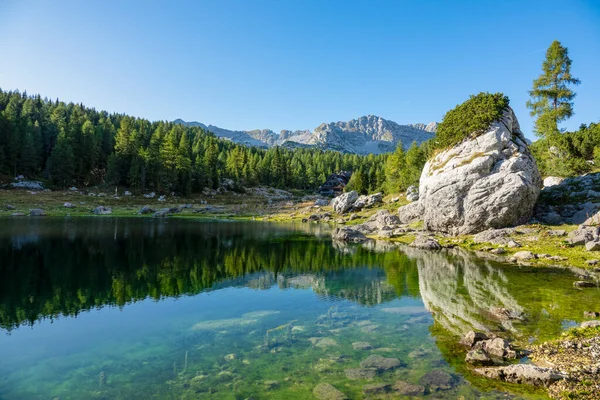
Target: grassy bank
x=539, y=239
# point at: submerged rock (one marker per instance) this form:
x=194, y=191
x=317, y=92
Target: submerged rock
x=326, y=391
x=522, y=373
x=381, y=363
x=376, y=388
x=403, y=388
x=361, y=346
x=438, y=380
x=360, y=373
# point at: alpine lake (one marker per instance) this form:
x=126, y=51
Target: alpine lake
x=139, y=308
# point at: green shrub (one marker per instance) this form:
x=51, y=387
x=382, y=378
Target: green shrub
x=470, y=118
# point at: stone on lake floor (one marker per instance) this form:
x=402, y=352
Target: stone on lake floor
x=323, y=343
x=230, y=357
x=360, y=373
x=271, y=384
x=522, y=373
x=361, y=346
x=376, y=388
x=408, y=310
x=403, y=388
x=381, y=363
x=438, y=380
x=479, y=357
x=326, y=391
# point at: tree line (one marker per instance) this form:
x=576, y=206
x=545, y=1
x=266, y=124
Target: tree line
x=71, y=144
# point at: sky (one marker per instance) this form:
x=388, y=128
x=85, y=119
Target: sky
x=259, y=64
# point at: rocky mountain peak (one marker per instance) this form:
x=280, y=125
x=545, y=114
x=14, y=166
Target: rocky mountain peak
x=364, y=135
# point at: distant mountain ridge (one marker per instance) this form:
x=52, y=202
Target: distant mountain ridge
x=365, y=135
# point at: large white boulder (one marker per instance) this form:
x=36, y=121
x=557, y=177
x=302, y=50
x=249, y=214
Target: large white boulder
x=490, y=181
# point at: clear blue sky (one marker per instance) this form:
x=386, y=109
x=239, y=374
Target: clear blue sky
x=294, y=64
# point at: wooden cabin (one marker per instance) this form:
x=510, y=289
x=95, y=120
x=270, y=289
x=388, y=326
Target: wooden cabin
x=335, y=184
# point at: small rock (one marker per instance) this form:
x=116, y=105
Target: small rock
x=524, y=255
x=376, y=388
x=127, y=193
x=37, y=212
x=361, y=346
x=73, y=189
x=403, y=388
x=145, y=210
x=591, y=314
x=347, y=234
x=592, y=246
x=68, y=205
x=360, y=373
x=557, y=232
x=498, y=251
x=584, y=284
x=150, y=195
x=270, y=385
x=426, y=243
x=472, y=337
x=522, y=373
x=592, y=262
x=344, y=202
x=17, y=214
x=513, y=244
x=478, y=357
x=381, y=363
x=590, y=324
x=230, y=357
x=162, y=198
x=326, y=391
x=101, y=210
x=438, y=380
x=321, y=202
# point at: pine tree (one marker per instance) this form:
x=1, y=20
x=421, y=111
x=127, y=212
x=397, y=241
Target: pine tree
x=551, y=99
x=61, y=163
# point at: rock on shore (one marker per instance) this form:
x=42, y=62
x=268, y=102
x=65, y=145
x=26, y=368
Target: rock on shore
x=490, y=181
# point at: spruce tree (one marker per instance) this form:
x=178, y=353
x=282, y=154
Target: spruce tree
x=551, y=98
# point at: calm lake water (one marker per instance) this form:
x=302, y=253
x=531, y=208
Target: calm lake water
x=149, y=309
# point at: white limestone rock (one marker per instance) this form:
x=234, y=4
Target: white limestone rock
x=491, y=181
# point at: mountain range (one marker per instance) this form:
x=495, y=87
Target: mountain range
x=365, y=135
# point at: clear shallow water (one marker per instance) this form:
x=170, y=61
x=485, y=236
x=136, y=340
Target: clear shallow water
x=139, y=308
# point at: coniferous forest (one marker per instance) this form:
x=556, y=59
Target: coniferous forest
x=71, y=144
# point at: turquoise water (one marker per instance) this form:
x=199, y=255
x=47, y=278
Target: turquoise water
x=139, y=308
